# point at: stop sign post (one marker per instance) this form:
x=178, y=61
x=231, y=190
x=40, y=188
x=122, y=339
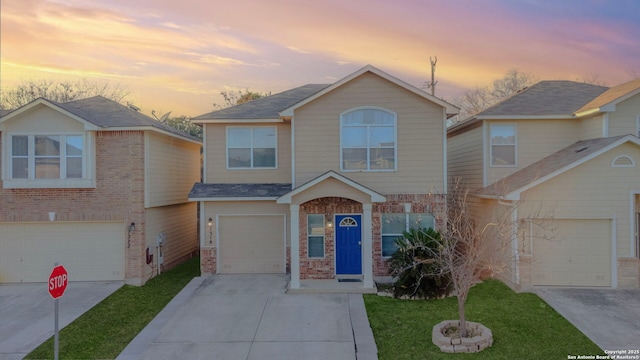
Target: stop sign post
x=58, y=281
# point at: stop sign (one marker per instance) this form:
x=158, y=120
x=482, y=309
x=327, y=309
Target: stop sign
x=57, y=281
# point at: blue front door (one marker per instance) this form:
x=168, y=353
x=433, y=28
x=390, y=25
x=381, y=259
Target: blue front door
x=348, y=244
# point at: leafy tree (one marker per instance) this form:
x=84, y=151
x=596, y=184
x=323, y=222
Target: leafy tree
x=233, y=98
x=58, y=91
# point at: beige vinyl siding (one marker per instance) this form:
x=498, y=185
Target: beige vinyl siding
x=216, y=157
x=591, y=127
x=464, y=158
x=42, y=120
x=623, y=120
x=419, y=136
x=536, y=139
x=331, y=188
x=173, y=166
x=593, y=190
x=215, y=208
x=180, y=227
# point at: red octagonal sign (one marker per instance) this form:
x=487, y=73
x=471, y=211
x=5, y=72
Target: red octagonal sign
x=58, y=281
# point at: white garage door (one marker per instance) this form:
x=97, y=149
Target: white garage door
x=89, y=251
x=579, y=254
x=251, y=244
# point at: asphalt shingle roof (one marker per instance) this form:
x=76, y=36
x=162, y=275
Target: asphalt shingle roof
x=547, y=166
x=551, y=97
x=611, y=95
x=204, y=191
x=268, y=107
x=106, y=113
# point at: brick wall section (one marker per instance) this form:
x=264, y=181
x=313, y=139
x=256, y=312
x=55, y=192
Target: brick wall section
x=118, y=196
x=325, y=268
x=420, y=203
x=208, y=261
x=628, y=273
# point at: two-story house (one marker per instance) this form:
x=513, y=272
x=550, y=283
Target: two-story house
x=319, y=180
x=97, y=187
x=562, y=157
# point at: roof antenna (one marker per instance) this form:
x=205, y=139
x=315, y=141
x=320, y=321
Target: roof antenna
x=432, y=85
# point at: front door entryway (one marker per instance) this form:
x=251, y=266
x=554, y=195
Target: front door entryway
x=348, y=245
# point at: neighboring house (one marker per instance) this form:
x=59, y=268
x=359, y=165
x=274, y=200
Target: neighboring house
x=564, y=157
x=95, y=186
x=319, y=180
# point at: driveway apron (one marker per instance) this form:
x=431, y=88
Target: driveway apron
x=249, y=317
x=27, y=312
x=609, y=317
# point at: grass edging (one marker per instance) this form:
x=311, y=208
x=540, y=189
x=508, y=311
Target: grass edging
x=106, y=329
x=523, y=326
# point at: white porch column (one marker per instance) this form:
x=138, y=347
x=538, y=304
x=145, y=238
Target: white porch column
x=294, y=209
x=367, y=249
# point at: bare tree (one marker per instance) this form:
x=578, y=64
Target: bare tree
x=59, y=91
x=479, y=98
x=593, y=79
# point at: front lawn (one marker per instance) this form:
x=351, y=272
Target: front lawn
x=105, y=330
x=523, y=326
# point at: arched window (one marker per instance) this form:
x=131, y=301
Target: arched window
x=623, y=161
x=368, y=140
x=348, y=222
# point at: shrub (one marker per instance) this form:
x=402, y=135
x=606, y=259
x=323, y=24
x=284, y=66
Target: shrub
x=415, y=265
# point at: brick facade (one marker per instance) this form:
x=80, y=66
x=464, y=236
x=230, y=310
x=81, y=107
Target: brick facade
x=324, y=268
x=118, y=196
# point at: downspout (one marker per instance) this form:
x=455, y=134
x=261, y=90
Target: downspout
x=293, y=154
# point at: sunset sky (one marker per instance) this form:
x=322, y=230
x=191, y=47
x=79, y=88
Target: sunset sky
x=177, y=55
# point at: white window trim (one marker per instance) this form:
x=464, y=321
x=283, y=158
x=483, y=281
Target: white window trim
x=324, y=240
x=88, y=163
x=638, y=126
x=515, y=146
x=407, y=226
x=250, y=167
x=613, y=162
x=395, y=140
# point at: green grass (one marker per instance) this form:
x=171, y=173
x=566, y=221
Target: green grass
x=105, y=330
x=523, y=326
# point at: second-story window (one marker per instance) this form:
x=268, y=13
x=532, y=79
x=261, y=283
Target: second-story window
x=368, y=140
x=46, y=157
x=503, y=144
x=251, y=147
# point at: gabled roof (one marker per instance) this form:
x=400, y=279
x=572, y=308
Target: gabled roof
x=608, y=99
x=287, y=198
x=551, y=166
x=545, y=98
x=450, y=109
x=236, y=192
x=265, y=108
x=102, y=113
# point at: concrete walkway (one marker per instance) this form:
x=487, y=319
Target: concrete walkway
x=609, y=317
x=27, y=312
x=251, y=317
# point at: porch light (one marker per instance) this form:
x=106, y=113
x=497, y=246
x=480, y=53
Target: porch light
x=329, y=223
x=210, y=222
x=132, y=227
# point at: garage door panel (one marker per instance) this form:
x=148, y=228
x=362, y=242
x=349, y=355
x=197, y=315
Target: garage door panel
x=579, y=254
x=89, y=251
x=251, y=244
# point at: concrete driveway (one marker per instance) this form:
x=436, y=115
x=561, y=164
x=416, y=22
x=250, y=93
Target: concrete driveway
x=609, y=317
x=251, y=317
x=27, y=313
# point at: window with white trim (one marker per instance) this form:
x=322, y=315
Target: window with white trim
x=503, y=139
x=393, y=225
x=315, y=235
x=623, y=161
x=38, y=157
x=252, y=147
x=368, y=140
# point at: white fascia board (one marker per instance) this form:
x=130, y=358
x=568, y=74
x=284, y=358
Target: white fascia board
x=270, y=198
x=88, y=126
x=450, y=108
x=237, y=121
x=525, y=117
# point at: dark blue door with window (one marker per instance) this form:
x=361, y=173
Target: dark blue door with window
x=348, y=245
